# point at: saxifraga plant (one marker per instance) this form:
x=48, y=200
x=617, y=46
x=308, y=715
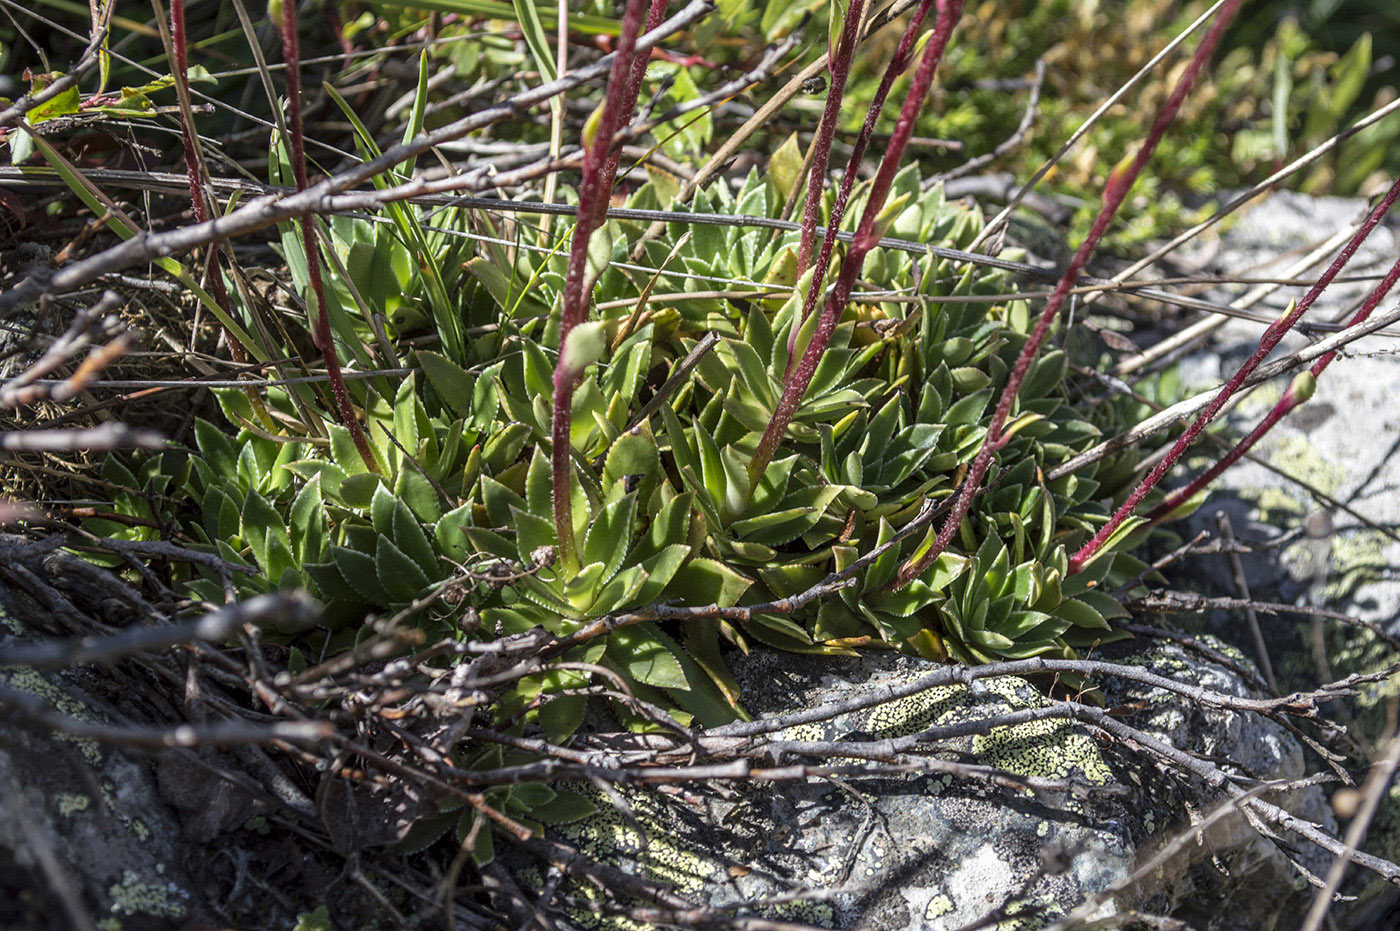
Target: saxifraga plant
x=551, y=474
x=662, y=506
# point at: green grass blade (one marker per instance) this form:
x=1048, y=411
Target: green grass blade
x=492, y=9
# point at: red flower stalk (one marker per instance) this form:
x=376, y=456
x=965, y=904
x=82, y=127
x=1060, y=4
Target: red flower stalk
x=896, y=67
x=321, y=325
x=1298, y=392
x=180, y=46
x=634, y=86
x=595, y=188
x=866, y=238
x=1120, y=181
x=840, y=67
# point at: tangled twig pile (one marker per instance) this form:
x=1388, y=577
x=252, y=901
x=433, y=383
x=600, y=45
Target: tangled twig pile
x=474, y=512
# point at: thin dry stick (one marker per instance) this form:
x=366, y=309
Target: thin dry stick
x=1185, y=408
x=1018, y=136
x=64, y=82
x=267, y=211
x=1261, y=649
x=1202, y=327
x=218, y=626
x=1372, y=793
x=1000, y=219
x=40, y=848
x=556, y=105
x=34, y=713
x=1190, y=334
x=1297, y=394
x=108, y=436
x=1086, y=909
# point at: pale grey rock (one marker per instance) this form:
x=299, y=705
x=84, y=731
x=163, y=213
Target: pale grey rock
x=1344, y=443
x=73, y=812
x=935, y=853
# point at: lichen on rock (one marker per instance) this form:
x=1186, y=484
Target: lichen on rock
x=935, y=852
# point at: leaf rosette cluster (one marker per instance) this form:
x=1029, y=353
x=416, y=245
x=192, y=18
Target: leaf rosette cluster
x=665, y=510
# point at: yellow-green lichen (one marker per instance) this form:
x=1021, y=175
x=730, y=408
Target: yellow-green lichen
x=1272, y=504
x=937, y=907
x=1300, y=459
x=113, y=804
x=70, y=803
x=1357, y=557
x=607, y=832
x=133, y=896
x=1046, y=749
x=914, y=713
x=27, y=680
x=110, y=923
x=648, y=840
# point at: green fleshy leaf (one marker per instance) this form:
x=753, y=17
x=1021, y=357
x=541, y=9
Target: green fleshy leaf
x=400, y=575
x=647, y=655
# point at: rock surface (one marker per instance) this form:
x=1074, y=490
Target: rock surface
x=74, y=814
x=1343, y=442
x=940, y=851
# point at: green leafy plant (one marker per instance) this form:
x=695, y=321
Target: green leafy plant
x=662, y=505
x=618, y=442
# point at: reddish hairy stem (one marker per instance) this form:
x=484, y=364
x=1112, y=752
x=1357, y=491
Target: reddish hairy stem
x=595, y=187
x=1120, y=181
x=840, y=67
x=896, y=67
x=180, y=46
x=865, y=239
x=655, y=15
x=1290, y=400
x=1276, y=331
x=321, y=324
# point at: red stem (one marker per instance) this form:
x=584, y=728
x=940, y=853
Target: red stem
x=1272, y=335
x=180, y=46
x=896, y=67
x=865, y=239
x=1290, y=400
x=634, y=86
x=595, y=187
x=840, y=67
x=321, y=325
x=1120, y=181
